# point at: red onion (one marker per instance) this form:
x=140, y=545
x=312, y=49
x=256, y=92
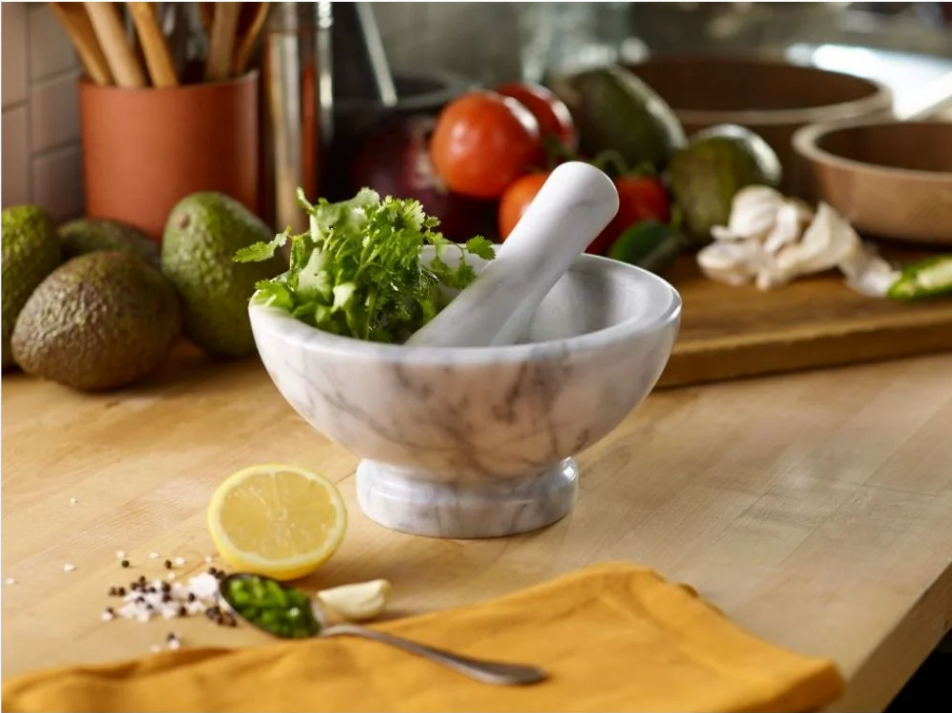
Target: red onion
x=393, y=160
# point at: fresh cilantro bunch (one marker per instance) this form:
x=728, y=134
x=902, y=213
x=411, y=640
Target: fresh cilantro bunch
x=357, y=271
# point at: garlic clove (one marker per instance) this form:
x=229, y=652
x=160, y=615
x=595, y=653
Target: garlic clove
x=734, y=263
x=792, y=219
x=753, y=214
x=357, y=602
x=771, y=276
x=866, y=272
x=827, y=240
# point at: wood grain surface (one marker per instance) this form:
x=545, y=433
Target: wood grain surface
x=729, y=332
x=814, y=509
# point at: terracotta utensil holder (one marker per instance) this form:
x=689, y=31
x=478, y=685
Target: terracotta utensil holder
x=145, y=149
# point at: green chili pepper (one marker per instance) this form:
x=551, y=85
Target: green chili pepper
x=279, y=609
x=650, y=244
x=924, y=279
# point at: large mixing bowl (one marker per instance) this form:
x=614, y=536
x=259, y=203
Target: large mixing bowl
x=771, y=98
x=477, y=442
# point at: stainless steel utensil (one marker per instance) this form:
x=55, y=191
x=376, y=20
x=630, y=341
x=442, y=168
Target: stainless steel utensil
x=490, y=672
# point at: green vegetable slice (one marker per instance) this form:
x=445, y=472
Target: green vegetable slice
x=931, y=277
x=357, y=273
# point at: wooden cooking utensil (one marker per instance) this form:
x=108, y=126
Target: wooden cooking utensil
x=258, y=11
x=158, y=56
x=222, y=41
x=72, y=16
x=251, y=20
x=108, y=25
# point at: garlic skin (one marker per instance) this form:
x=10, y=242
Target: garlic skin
x=357, y=602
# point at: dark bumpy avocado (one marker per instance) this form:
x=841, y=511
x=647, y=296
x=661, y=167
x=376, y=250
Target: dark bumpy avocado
x=706, y=174
x=98, y=322
x=615, y=110
x=202, y=235
x=86, y=235
x=31, y=251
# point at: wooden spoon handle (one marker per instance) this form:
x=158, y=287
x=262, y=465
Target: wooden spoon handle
x=248, y=40
x=158, y=57
x=105, y=19
x=222, y=42
x=73, y=18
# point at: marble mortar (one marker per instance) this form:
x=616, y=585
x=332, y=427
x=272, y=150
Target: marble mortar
x=478, y=442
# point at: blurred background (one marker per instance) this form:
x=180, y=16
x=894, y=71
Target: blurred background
x=435, y=50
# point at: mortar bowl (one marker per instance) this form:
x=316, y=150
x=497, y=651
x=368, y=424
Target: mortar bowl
x=479, y=442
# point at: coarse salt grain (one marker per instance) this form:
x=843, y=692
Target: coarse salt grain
x=153, y=555
x=120, y=554
x=73, y=501
x=179, y=561
x=9, y=580
x=108, y=615
x=68, y=567
x=174, y=644
x=159, y=599
x=170, y=575
x=155, y=648
x=208, y=559
x=204, y=585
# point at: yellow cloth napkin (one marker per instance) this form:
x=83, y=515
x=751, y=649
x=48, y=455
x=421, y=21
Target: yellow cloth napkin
x=613, y=637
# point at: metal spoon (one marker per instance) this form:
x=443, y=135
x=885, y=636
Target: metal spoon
x=491, y=672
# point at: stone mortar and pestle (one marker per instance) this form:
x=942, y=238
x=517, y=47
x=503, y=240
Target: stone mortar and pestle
x=468, y=429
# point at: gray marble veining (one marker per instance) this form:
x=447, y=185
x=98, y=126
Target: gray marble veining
x=476, y=442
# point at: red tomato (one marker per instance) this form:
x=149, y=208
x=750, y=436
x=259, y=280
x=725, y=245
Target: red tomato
x=639, y=198
x=482, y=142
x=550, y=111
x=516, y=199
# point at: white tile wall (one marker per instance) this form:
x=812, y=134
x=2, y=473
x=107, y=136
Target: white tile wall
x=41, y=155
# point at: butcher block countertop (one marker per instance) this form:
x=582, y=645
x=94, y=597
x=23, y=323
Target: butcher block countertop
x=815, y=509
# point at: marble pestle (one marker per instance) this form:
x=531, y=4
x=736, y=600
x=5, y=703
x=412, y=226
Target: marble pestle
x=572, y=208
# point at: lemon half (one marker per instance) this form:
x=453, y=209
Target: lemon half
x=277, y=520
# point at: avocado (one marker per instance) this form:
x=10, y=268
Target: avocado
x=85, y=235
x=31, y=251
x=98, y=322
x=616, y=111
x=705, y=175
x=202, y=235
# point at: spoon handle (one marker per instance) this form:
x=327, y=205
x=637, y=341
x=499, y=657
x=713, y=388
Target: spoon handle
x=491, y=672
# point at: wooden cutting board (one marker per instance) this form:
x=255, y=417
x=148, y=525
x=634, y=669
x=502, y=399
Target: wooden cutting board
x=730, y=332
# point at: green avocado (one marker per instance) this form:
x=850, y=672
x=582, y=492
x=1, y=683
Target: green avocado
x=85, y=235
x=705, y=175
x=616, y=111
x=202, y=235
x=98, y=322
x=31, y=251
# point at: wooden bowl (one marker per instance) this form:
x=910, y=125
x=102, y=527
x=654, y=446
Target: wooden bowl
x=889, y=179
x=771, y=98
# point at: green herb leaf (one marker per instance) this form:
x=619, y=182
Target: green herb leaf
x=481, y=247
x=259, y=252
x=357, y=271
